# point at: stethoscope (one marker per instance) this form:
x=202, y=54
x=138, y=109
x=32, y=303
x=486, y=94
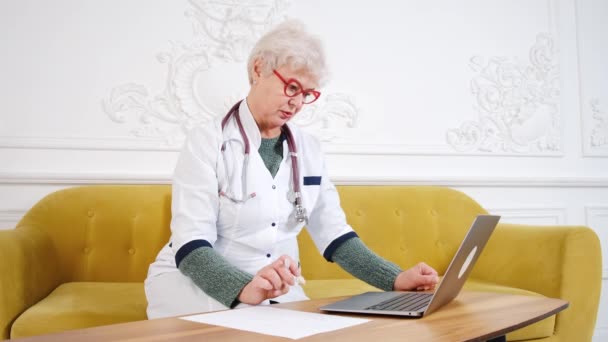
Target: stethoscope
x=300, y=211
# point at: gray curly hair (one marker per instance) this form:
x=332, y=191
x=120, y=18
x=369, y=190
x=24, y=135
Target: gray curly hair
x=289, y=44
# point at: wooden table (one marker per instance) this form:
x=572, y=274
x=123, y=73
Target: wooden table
x=472, y=316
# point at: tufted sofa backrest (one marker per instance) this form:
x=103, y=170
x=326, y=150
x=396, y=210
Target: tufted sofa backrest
x=113, y=232
x=104, y=232
x=404, y=224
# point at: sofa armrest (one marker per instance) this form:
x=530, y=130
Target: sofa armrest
x=556, y=261
x=29, y=272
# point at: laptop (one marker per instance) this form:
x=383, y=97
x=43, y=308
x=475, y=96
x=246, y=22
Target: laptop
x=419, y=304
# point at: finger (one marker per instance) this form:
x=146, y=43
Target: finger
x=288, y=270
x=273, y=277
x=426, y=269
x=279, y=292
x=298, y=273
x=291, y=265
x=261, y=283
x=286, y=276
x=428, y=280
x=424, y=283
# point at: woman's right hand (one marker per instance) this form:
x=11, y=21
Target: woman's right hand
x=271, y=281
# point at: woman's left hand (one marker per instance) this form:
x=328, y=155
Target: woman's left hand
x=421, y=277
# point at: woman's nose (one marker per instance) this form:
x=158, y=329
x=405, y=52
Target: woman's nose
x=297, y=101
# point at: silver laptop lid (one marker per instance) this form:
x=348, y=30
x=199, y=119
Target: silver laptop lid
x=463, y=261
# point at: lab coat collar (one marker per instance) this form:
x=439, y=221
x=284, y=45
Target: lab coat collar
x=250, y=126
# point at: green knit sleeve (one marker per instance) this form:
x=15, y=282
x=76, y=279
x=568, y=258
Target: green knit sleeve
x=214, y=275
x=355, y=258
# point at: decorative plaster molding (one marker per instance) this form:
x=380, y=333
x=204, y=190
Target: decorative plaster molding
x=416, y=150
x=225, y=31
x=594, y=212
x=518, y=104
x=9, y=218
x=601, y=332
x=325, y=117
x=477, y=182
x=88, y=144
x=549, y=216
x=50, y=178
x=599, y=133
x=22, y=178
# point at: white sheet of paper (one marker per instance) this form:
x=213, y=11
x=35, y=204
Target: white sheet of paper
x=277, y=322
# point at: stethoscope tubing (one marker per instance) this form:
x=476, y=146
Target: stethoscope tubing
x=293, y=154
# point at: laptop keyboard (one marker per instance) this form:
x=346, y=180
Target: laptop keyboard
x=404, y=302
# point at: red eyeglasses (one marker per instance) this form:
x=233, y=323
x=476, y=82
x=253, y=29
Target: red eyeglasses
x=293, y=88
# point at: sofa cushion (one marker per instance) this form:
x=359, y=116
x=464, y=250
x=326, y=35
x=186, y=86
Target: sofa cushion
x=82, y=305
x=347, y=287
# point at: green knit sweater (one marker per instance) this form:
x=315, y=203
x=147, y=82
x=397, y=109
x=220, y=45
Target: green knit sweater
x=224, y=282
x=271, y=151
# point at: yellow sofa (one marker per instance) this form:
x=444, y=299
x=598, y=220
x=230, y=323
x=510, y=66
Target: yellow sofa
x=78, y=258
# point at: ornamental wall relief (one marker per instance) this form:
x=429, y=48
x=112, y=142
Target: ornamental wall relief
x=599, y=133
x=206, y=77
x=517, y=104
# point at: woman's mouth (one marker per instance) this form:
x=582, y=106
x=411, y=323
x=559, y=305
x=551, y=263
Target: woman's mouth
x=286, y=115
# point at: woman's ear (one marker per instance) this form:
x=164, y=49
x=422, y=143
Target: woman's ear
x=257, y=69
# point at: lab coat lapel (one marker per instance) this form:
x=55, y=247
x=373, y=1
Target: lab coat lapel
x=251, y=127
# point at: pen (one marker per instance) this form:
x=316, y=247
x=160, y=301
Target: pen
x=299, y=279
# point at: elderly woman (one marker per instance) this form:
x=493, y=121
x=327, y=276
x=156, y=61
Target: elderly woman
x=244, y=187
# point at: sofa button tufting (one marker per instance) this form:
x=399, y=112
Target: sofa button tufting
x=397, y=212
x=86, y=250
x=359, y=212
x=90, y=213
x=132, y=251
x=433, y=212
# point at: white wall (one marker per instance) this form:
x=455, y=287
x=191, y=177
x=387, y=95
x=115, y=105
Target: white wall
x=505, y=100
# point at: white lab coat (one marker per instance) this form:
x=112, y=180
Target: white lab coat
x=249, y=235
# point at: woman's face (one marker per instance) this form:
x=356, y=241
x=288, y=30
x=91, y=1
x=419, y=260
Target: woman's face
x=272, y=108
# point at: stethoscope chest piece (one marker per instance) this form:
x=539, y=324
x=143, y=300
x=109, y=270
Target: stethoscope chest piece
x=300, y=214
